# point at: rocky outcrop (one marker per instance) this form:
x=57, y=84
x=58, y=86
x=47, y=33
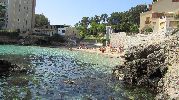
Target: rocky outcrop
x=153, y=63
x=170, y=82
x=5, y=67
x=144, y=65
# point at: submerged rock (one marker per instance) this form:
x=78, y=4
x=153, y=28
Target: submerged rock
x=6, y=67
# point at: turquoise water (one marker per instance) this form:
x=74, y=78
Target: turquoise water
x=60, y=74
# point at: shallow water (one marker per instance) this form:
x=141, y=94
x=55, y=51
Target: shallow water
x=60, y=74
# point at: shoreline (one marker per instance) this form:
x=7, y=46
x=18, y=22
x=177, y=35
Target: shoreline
x=97, y=51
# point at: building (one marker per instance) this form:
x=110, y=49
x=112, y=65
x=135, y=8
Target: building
x=63, y=30
x=60, y=29
x=72, y=32
x=20, y=15
x=163, y=16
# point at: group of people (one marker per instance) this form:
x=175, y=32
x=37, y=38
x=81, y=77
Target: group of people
x=82, y=46
x=103, y=49
x=119, y=49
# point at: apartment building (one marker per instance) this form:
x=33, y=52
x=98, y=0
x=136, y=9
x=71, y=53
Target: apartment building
x=163, y=16
x=20, y=15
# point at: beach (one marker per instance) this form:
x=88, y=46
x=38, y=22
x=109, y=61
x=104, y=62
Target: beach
x=107, y=52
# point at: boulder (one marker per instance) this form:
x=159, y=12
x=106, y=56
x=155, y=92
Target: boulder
x=144, y=65
x=6, y=67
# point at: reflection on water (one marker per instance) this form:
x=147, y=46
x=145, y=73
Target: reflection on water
x=59, y=74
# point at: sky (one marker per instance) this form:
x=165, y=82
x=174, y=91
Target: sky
x=69, y=12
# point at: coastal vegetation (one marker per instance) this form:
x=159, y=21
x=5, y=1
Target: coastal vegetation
x=127, y=21
x=41, y=20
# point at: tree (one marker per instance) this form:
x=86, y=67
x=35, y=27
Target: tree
x=134, y=13
x=127, y=21
x=134, y=28
x=104, y=18
x=82, y=26
x=41, y=20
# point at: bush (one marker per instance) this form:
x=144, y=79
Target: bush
x=148, y=29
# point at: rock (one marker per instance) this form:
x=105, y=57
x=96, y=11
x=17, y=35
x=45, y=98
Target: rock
x=144, y=65
x=69, y=82
x=6, y=67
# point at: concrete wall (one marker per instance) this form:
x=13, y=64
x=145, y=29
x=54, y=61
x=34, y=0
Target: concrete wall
x=143, y=17
x=165, y=6
x=20, y=14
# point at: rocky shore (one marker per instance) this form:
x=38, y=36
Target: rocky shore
x=145, y=65
x=154, y=65
x=32, y=40
x=6, y=67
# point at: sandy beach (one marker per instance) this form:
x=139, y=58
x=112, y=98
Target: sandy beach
x=97, y=50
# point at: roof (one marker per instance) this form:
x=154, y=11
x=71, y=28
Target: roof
x=61, y=26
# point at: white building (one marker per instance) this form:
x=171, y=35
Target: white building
x=60, y=29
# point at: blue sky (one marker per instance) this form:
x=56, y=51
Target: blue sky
x=71, y=11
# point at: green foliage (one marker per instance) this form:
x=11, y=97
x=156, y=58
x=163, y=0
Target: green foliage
x=40, y=20
x=127, y=21
x=148, y=29
x=155, y=0
x=134, y=28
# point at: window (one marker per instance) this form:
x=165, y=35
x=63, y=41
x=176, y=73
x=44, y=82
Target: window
x=147, y=20
x=63, y=31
